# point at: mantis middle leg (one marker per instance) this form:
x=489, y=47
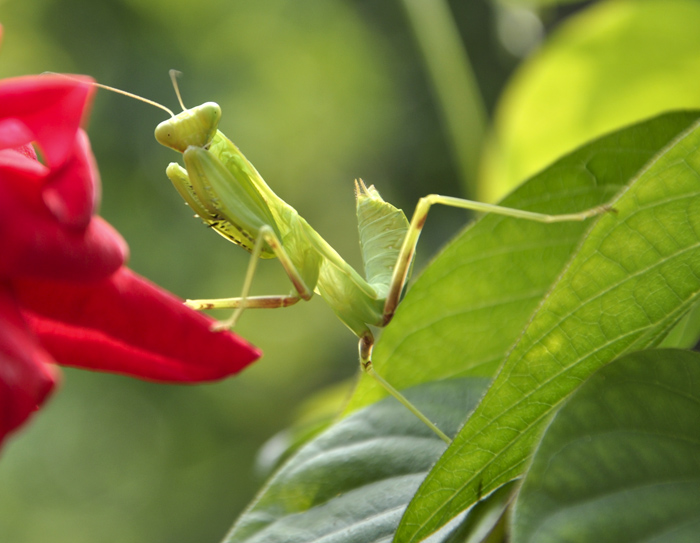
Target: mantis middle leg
x=265, y=236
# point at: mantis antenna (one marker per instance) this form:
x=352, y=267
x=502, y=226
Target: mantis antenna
x=125, y=93
x=174, y=74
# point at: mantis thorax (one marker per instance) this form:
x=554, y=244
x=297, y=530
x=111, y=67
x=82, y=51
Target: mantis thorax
x=193, y=127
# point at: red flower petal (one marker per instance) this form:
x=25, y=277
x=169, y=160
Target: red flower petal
x=17, y=166
x=61, y=254
x=128, y=325
x=14, y=133
x=72, y=191
x=26, y=377
x=35, y=244
x=52, y=107
x=27, y=150
x=62, y=281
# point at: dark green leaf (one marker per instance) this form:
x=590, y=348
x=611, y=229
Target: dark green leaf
x=620, y=462
x=481, y=521
x=352, y=483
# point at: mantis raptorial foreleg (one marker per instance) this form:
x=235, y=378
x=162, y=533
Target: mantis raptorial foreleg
x=408, y=248
x=266, y=236
x=250, y=302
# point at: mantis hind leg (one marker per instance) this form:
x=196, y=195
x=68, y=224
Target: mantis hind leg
x=303, y=292
x=365, y=348
x=408, y=248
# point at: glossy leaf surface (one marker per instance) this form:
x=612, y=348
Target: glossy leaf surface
x=353, y=482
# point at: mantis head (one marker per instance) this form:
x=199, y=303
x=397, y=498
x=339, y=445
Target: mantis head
x=193, y=127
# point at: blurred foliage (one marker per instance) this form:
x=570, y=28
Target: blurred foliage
x=606, y=67
x=316, y=94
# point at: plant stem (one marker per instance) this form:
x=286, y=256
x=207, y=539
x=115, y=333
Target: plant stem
x=460, y=103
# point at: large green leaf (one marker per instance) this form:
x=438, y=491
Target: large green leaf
x=471, y=304
x=635, y=275
x=608, y=66
x=620, y=461
x=353, y=482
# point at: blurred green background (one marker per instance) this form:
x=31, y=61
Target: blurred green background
x=315, y=93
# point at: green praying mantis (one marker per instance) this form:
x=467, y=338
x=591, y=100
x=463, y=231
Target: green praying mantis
x=226, y=191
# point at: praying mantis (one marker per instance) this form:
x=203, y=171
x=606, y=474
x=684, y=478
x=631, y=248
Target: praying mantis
x=226, y=191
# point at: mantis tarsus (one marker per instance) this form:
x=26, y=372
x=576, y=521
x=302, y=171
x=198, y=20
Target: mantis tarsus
x=228, y=194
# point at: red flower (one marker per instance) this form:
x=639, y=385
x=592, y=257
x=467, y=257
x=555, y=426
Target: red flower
x=65, y=296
